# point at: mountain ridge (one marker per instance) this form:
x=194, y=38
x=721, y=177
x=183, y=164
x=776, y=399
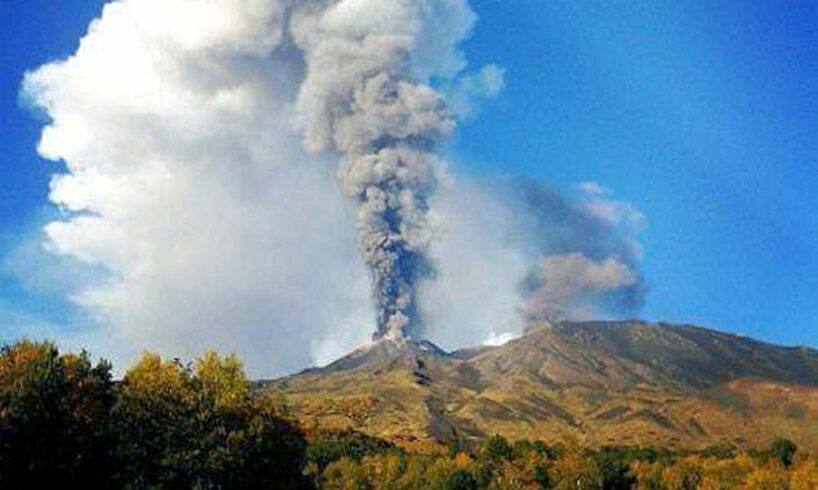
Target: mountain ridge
x=600, y=383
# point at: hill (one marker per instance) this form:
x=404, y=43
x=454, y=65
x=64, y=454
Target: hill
x=598, y=383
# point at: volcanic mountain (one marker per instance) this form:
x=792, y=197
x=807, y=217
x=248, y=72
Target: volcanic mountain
x=597, y=383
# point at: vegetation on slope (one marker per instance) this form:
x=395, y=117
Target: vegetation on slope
x=498, y=464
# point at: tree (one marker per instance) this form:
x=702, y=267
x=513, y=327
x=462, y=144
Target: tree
x=614, y=465
x=331, y=446
x=648, y=475
x=222, y=379
x=725, y=471
x=155, y=421
x=541, y=476
x=497, y=448
x=181, y=428
x=345, y=474
x=459, y=480
x=766, y=479
x=783, y=451
x=54, y=418
x=576, y=471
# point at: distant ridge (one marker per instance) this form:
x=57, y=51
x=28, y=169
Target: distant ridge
x=686, y=357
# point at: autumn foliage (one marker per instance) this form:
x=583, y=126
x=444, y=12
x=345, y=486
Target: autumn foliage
x=164, y=426
x=523, y=465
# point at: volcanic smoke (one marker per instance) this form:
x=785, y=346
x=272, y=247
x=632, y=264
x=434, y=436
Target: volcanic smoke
x=365, y=96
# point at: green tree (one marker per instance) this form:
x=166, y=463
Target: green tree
x=614, y=466
x=201, y=429
x=497, y=448
x=783, y=451
x=54, y=418
x=459, y=480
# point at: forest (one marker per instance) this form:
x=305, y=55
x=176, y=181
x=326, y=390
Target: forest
x=166, y=424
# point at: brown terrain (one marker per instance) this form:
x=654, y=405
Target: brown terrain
x=595, y=383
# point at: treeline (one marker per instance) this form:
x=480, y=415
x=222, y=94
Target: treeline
x=168, y=425
x=524, y=465
x=63, y=420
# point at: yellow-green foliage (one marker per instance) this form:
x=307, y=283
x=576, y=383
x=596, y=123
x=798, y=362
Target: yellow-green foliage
x=804, y=475
x=165, y=426
x=498, y=465
x=223, y=379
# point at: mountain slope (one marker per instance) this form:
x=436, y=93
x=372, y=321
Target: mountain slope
x=598, y=383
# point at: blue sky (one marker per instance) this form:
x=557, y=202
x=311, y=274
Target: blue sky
x=702, y=114
x=32, y=33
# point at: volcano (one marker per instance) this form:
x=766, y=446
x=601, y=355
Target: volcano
x=598, y=383
x=381, y=350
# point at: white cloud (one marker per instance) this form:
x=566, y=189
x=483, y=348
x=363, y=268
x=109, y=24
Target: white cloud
x=499, y=339
x=592, y=188
x=193, y=193
x=480, y=263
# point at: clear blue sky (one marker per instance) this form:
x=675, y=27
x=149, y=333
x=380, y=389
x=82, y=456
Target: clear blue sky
x=702, y=114
x=31, y=33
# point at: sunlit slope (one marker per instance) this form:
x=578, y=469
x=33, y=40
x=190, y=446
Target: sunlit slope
x=598, y=383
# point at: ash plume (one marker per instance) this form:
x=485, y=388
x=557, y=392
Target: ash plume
x=367, y=95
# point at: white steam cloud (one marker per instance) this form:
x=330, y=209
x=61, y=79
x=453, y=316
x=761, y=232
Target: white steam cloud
x=185, y=182
x=203, y=142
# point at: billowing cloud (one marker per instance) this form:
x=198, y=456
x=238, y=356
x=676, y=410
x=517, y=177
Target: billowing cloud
x=185, y=183
x=466, y=95
x=587, y=262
